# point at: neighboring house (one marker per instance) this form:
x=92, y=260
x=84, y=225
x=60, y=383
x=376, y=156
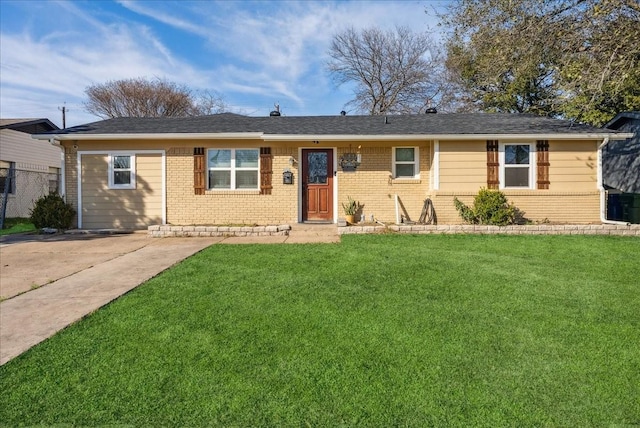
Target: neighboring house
x=234, y=169
x=36, y=164
x=621, y=168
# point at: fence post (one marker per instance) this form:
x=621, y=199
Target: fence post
x=7, y=186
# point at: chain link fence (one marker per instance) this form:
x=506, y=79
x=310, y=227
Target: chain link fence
x=20, y=189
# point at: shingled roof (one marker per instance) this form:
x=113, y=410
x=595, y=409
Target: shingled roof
x=425, y=124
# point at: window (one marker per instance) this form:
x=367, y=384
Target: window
x=516, y=166
x=122, y=173
x=405, y=162
x=5, y=180
x=234, y=169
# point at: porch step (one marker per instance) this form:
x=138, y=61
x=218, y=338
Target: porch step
x=313, y=232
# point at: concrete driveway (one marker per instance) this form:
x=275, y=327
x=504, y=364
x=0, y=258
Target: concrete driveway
x=28, y=262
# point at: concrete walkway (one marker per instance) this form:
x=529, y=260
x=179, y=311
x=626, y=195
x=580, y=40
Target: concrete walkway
x=92, y=272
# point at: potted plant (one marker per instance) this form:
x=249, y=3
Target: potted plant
x=350, y=209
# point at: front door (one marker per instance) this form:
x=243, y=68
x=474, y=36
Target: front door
x=317, y=185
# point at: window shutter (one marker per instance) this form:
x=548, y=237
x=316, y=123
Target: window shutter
x=198, y=171
x=542, y=148
x=266, y=170
x=493, y=165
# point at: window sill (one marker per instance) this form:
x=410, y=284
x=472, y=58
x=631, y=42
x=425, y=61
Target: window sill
x=406, y=181
x=232, y=192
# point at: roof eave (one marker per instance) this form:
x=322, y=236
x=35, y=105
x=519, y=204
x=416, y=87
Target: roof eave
x=444, y=137
x=154, y=136
x=329, y=137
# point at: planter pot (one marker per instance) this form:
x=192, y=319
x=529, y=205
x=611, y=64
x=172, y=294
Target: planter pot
x=350, y=219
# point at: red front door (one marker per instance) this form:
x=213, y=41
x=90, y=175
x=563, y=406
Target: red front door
x=317, y=184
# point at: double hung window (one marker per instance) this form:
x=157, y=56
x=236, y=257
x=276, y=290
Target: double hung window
x=405, y=162
x=517, y=166
x=122, y=174
x=234, y=169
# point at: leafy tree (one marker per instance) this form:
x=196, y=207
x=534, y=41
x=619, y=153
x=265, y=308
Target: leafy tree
x=579, y=59
x=140, y=97
x=393, y=72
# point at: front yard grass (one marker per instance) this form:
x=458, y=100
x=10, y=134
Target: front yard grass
x=17, y=225
x=383, y=330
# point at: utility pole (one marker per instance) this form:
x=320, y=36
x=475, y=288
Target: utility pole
x=64, y=111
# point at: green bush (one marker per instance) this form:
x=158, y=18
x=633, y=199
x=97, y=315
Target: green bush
x=52, y=211
x=489, y=207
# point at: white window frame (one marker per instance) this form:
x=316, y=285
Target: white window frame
x=232, y=170
x=131, y=169
x=531, y=165
x=416, y=162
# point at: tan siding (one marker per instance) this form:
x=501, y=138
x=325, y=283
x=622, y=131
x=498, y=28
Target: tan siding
x=121, y=208
x=573, y=165
x=463, y=165
x=27, y=153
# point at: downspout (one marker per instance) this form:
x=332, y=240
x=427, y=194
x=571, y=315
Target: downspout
x=63, y=186
x=603, y=196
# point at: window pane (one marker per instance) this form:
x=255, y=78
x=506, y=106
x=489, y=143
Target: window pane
x=317, y=167
x=516, y=177
x=121, y=177
x=122, y=162
x=405, y=155
x=247, y=158
x=516, y=154
x=219, y=158
x=404, y=171
x=219, y=179
x=246, y=179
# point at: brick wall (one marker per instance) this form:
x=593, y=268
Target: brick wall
x=555, y=207
x=373, y=186
x=228, y=207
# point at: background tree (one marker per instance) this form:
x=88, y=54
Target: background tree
x=140, y=97
x=393, y=72
x=579, y=59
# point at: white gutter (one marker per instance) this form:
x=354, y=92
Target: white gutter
x=603, y=195
x=63, y=169
x=327, y=137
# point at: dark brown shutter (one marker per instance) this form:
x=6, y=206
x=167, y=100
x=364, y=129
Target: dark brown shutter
x=266, y=170
x=493, y=165
x=542, y=148
x=198, y=171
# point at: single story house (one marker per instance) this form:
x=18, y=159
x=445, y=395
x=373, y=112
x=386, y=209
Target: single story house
x=621, y=169
x=34, y=165
x=235, y=169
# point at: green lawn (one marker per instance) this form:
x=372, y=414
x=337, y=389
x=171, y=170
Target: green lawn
x=17, y=225
x=380, y=331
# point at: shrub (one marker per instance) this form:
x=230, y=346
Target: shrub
x=489, y=207
x=52, y=211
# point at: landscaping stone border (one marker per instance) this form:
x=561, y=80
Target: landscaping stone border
x=539, y=229
x=157, y=231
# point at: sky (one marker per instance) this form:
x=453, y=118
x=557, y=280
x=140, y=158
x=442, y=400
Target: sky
x=253, y=53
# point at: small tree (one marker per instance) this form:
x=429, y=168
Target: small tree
x=52, y=211
x=489, y=207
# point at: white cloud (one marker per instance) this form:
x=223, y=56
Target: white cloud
x=271, y=51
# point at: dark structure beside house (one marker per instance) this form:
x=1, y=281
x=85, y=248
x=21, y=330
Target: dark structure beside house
x=621, y=169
